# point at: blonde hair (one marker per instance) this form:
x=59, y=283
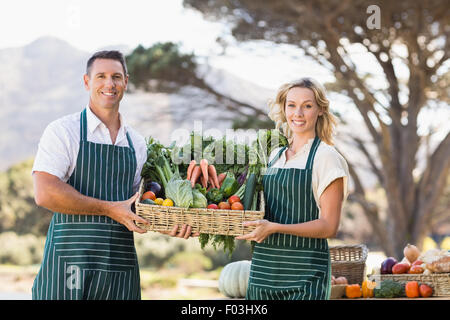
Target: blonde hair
x=325, y=122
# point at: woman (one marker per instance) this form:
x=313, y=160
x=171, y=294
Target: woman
x=304, y=187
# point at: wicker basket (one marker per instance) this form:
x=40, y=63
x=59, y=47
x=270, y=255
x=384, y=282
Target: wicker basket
x=440, y=282
x=210, y=221
x=349, y=261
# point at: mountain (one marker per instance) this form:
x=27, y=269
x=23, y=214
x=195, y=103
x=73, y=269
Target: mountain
x=43, y=81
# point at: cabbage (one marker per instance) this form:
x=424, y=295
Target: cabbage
x=199, y=199
x=180, y=191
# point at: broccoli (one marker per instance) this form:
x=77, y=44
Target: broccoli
x=389, y=289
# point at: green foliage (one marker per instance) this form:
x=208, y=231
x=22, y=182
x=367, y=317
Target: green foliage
x=162, y=62
x=21, y=250
x=18, y=210
x=189, y=262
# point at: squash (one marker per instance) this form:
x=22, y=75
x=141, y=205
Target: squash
x=367, y=288
x=411, y=252
x=233, y=279
x=353, y=291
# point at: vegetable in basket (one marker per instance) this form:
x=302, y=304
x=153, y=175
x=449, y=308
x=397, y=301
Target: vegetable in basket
x=214, y=195
x=199, y=200
x=180, y=191
x=229, y=185
x=199, y=187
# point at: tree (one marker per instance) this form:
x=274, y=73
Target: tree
x=163, y=67
x=414, y=36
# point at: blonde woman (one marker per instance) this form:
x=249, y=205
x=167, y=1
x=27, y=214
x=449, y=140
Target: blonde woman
x=304, y=187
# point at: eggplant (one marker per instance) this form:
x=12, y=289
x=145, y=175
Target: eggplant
x=154, y=187
x=386, y=265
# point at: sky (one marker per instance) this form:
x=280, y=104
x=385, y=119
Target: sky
x=91, y=25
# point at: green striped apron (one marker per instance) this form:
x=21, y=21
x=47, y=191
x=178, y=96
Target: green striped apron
x=286, y=267
x=88, y=256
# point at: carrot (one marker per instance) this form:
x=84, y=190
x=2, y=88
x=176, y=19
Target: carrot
x=204, y=181
x=212, y=172
x=221, y=177
x=195, y=175
x=190, y=169
x=211, y=181
x=204, y=166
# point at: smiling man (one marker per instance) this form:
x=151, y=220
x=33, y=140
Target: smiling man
x=87, y=171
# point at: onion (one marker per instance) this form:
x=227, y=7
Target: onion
x=411, y=252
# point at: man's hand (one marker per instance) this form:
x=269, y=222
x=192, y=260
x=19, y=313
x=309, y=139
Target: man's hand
x=121, y=212
x=56, y=195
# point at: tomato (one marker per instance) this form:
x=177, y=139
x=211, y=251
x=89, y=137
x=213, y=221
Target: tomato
x=233, y=199
x=213, y=206
x=224, y=205
x=237, y=206
x=417, y=263
x=400, y=268
x=149, y=195
x=416, y=269
x=425, y=291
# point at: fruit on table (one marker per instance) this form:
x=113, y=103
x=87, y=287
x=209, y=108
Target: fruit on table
x=425, y=290
x=148, y=195
x=417, y=263
x=400, y=268
x=168, y=203
x=416, y=270
x=386, y=265
x=340, y=280
x=367, y=288
x=213, y=206
x=412, y=289
x=233, y=279
x=411, y=252
x=353, y=291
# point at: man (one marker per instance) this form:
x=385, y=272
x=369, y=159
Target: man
x=87, y=171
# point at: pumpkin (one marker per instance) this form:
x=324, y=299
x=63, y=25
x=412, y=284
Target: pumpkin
x=233, y=279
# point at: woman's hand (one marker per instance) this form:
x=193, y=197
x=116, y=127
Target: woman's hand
x=264, y=228
x=185, y=232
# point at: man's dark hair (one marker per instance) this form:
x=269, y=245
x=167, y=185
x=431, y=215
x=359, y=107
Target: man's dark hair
x=112, y=54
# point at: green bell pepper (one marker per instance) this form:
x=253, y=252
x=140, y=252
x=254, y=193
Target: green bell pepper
x=229, y=185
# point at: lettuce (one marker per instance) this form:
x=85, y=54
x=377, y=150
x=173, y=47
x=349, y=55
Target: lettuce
x=199, y=199
x=180, y=191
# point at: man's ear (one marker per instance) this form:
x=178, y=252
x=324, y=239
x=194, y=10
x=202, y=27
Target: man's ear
x=126, y=82
x=86, y=81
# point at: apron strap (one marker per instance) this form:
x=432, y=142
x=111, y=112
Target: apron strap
x=83, y=126
x=130, y=143
x=312, y=153
x=83, y=130
x=277, y=156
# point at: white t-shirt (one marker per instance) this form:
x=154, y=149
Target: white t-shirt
x=328, y=165
x=59, y=145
